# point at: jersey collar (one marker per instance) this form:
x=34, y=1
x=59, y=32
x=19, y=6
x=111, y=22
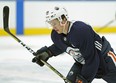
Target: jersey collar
x=71, y=23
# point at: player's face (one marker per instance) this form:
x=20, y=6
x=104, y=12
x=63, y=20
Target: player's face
x=56, y=25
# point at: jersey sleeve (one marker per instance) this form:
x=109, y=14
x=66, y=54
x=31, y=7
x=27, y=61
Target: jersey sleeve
x=55, y=50
x=91, y=65
x=85, y=36
x=58, y=47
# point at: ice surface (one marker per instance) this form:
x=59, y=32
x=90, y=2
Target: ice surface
x=16, y=65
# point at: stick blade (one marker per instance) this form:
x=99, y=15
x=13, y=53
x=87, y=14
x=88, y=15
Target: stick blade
x=6, y=18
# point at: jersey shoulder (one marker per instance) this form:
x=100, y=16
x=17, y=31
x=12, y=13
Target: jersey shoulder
x=80, y=24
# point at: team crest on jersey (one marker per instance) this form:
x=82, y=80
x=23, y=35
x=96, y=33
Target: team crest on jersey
x=71, y=73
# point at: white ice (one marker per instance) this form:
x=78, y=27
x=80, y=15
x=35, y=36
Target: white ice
x=16, y=65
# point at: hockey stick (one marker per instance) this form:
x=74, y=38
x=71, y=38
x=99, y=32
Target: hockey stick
x=6, y=28
x=107, y=24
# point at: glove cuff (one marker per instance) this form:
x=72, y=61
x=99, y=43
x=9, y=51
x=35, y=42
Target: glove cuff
x=44, y=49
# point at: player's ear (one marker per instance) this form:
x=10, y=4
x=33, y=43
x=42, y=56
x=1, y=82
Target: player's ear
x=64, y=21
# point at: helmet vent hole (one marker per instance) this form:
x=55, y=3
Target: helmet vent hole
x=47, y=12
x=56, y=8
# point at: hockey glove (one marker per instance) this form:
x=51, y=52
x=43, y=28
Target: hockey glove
x=81, y=79
x=42, y=54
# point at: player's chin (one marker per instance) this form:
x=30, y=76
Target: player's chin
x=59, y=32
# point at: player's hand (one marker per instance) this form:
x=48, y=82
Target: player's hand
x=42, y=54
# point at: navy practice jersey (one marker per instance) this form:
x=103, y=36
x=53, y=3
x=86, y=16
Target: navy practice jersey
x=83, y=37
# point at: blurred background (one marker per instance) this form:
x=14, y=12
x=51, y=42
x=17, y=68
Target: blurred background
x=27, y=17
x=27, y=21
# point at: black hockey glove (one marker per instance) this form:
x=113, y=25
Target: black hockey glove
x=42, y=54
x=81, y=79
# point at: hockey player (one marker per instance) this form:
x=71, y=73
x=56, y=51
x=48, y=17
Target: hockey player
x=93, y=55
